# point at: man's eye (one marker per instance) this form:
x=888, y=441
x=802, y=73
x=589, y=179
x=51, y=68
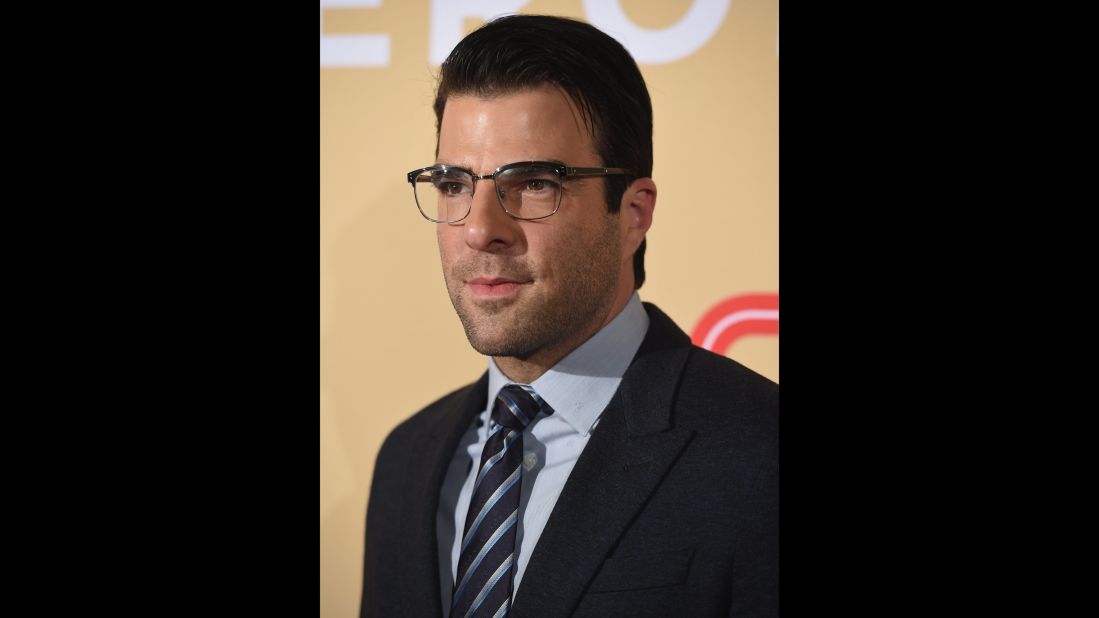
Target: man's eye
x=538, y=185
x=450, y=188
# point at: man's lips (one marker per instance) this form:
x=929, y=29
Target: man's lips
x=494, y=287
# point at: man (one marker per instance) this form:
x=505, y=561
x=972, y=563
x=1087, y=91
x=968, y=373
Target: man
x=602, y=465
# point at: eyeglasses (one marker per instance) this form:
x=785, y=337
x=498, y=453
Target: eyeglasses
x=527, y=190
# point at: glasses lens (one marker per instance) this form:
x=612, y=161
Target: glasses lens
x=529, y=192
x=444, y=195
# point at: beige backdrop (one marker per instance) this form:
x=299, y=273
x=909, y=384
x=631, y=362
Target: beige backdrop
x=390, y=342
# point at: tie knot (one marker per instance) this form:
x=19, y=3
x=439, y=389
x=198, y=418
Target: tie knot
x=517, y=405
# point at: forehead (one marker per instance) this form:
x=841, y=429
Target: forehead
x=537, y=124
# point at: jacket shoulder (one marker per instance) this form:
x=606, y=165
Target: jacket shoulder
x=724, y=376
x=743, y=399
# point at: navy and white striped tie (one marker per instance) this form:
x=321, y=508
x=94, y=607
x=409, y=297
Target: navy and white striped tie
x=486, y=564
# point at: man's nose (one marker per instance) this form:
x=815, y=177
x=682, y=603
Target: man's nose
x=488, y=227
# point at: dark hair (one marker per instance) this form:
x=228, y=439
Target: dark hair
x=520, y=52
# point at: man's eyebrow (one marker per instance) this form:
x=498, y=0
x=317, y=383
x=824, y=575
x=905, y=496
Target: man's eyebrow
x=450, y=163
x=538, y=159
x=468, y=168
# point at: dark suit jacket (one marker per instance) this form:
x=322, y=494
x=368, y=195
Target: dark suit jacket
x=671, y=510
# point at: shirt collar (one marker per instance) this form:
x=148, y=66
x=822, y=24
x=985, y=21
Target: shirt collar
x=581, y=385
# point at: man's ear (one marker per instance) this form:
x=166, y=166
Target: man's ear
x=636, y=212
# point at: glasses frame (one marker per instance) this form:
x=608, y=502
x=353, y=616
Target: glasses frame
x=564, y=172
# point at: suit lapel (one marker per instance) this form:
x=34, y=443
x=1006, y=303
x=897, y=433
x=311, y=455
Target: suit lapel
x=628, y=455
x=418, y=562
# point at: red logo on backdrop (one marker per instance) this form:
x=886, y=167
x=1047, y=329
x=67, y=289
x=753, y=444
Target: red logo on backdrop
x=732, y=318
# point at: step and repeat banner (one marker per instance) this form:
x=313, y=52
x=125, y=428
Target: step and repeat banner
x=390, y=341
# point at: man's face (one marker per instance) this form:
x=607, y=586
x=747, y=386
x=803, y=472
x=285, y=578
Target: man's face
x=532, y=290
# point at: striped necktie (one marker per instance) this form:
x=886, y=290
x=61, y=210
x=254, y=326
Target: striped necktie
x=486, y=564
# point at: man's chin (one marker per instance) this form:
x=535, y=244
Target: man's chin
x=497, y=346
x=488, y=336
x=492, y=326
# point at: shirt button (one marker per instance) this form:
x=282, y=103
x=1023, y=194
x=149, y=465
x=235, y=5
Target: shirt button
x=529, y=460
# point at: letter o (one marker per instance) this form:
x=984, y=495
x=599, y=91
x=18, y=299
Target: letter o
x=659, y=46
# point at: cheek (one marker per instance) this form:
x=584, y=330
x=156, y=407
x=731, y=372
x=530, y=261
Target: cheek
x=448, y=251
x=565, y=247
x=447, y=236
x=551, y=241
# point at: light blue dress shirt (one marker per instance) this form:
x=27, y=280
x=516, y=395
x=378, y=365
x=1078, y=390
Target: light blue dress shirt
x=578, y=388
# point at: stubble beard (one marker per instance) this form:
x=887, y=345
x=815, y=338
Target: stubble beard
x=569, y=309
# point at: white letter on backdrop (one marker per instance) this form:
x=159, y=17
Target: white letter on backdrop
x=659, y=46
x=447, y=17
x=353, y=50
